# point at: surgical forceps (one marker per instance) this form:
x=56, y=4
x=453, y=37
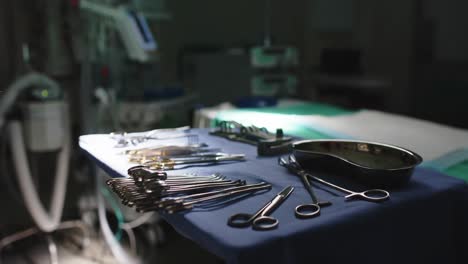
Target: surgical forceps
x=131, y=189
x=162, y=189
x=180, y=200
x=372, y=195
x=304, y=210
x=261, y=219
x=151, y=185
x=141, y=197
x=183, y=205
x=123, y=139
x=152, y=154
x=170, y=164
x=164, y=148
x=141, y=173
x=136, y=158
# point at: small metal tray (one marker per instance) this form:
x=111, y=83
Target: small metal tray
x=268, y=144
x=370, y=163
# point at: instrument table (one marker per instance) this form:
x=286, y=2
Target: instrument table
x=426, y=221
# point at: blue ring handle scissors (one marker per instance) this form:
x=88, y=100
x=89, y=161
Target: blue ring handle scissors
x=261, y=220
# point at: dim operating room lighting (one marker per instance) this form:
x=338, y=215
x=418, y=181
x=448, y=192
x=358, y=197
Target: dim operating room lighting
x=45, y=93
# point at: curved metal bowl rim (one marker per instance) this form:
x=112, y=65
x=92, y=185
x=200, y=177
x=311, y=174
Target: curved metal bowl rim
x=417, y=157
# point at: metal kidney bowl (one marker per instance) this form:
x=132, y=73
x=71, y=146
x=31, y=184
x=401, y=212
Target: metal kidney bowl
x=369, y=163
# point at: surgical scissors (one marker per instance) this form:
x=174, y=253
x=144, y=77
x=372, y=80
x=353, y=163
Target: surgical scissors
x=372, y=195
x=304, y=210
x=261, y=219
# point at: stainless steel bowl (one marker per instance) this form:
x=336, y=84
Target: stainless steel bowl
x=370, y=163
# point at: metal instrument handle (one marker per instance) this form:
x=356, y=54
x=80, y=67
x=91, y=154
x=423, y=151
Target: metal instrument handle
x=191, y=196
x=221, y=195
x=374, y=195
x=307, y=210
x=181, y=199
x=272, y=206
x=331, y=184
x=171, y=162
x=243, y=219
x=308, y=186
x=264, y=223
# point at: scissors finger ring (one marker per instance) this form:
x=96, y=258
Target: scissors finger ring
x=243, y=220
x=307, y=210
x=374, y=195
x=265, y=223
x=260, y=220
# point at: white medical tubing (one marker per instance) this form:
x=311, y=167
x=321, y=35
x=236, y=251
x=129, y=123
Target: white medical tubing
x=114, y=245
x=46, y=221
x=8, y=98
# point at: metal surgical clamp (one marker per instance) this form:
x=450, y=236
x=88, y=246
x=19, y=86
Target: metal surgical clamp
x=261, y=219
x=304, y=210
x=142, y=156
x=123, y=139
x=372, y=195
x=141, y=173
x=180, y=206
x=169, y=164
x=171, y=201
x=142, y=190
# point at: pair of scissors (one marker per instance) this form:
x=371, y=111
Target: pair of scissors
x=261, y=219
x=304, y=210
x=372, y=195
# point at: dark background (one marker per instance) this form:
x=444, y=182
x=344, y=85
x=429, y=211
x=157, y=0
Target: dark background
x=419, y=48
